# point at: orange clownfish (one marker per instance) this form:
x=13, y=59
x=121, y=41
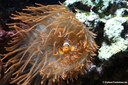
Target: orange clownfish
x=66, y=48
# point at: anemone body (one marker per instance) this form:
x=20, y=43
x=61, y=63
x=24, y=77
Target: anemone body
x=50, y=45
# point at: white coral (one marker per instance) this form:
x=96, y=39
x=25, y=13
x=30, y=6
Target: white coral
x=120, y=11
x=87, y=2
x=87, y=19
x=112, y=30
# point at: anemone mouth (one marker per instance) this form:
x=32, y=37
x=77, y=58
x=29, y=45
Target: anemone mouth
x=50, y=43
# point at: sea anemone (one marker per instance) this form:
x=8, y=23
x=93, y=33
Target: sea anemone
x=50, y=45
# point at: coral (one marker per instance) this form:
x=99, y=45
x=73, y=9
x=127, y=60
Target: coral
x=50, y=45
x=88, y=2
x=113, y=29
x=121, y=12
x=93, y=17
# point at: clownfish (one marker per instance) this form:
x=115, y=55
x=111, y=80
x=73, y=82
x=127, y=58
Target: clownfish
x=66, y=48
